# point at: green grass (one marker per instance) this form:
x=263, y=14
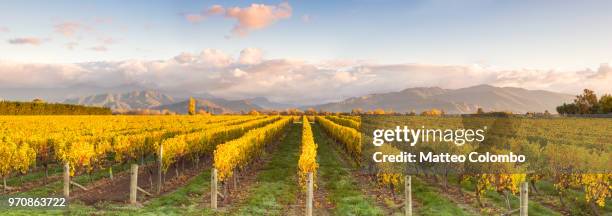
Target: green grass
x=276, y=186
x=351, y=201
x=17, y=181
x=335, y=177
x=55, y=187
x=574, y=200
x=432, y=202
x=534, y=207
x=499, y=200
x=187, y=200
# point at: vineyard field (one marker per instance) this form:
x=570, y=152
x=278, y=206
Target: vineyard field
x=268, y=164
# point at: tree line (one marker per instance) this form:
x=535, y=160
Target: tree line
x=39, y=107
x=587, y=103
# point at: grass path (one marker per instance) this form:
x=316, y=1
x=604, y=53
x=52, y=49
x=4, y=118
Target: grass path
x=427, y=200
x=336, y=178
x=433, y=202
x=276, y=187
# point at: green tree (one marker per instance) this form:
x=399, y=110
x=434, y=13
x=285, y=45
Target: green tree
x=586, y=102
x=605, y=104
x=567, y=109
x=38, y=100
x=480, y=111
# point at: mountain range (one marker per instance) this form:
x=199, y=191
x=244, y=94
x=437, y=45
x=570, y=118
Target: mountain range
x=454, y=101
x=156, y=100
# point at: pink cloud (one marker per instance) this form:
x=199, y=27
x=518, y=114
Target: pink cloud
x=215, y=9
x=215, y=58
x=4, y=29
x=69, y=29
x=306, y=18
x=184, y=57
x=199, y=17
x=253, y=17
x=26, y=41
x=250, y=56
x=194, y=18
x=107, y=40
x=257, y=16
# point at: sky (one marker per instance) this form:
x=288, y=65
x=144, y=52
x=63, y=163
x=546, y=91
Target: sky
x=240, y=49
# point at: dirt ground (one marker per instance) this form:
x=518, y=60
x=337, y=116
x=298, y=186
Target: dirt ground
x=117, y=190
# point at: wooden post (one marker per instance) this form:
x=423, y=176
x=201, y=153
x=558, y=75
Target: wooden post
x=309, y=196
x=66, y=180
x=408, y=196
x=524, y=199
x=213, y=189
x=159, y=170
x=133, y=183
x=4, y=183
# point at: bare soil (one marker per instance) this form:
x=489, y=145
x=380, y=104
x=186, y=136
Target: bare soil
x=117, y=190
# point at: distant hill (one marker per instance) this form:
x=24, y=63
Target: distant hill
x=463, y=100
x=60, y=94
x=156, y=100
x=125, y=101
x=267, y=104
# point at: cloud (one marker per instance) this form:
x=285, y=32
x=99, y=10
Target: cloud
x=306, y=18
x=215, y=10
x=208, y=58
x=4, y=29
x=198, y=17
x=215, y=58
x=76, y=30
x=69, y=29
x=99, y=48
x=194, y=18
x=239, y=73
x=71, y=45
x=563, y=81
x=257, y=16
x=184, y=57
x=344, y=77
x=107, y=40
x=27, y=75
x=26, y=41
x=253, y=17
x=291, y=81
x=250, y=56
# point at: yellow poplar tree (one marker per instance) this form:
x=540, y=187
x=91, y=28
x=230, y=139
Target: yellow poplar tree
x=192, y=106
